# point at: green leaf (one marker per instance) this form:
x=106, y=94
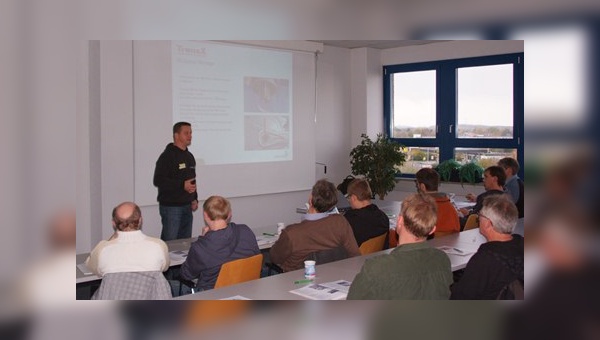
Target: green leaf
x=377, y=162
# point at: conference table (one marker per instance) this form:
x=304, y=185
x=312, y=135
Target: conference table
x=459, y=248
x=178, y=249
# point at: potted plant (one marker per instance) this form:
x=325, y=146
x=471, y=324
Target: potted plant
x=471, y=173
x=378, y=161
x=448, y=170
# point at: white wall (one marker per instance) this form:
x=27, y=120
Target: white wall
x=449, y=50
x=82, y=123
x=367, y=89
x=333, y=113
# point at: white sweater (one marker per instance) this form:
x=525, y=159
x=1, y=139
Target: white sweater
x=131, y=251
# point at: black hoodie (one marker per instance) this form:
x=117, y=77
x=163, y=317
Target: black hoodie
x=495, y=265
x=173, y=167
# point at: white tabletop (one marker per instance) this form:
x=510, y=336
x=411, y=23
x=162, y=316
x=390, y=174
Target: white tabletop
x=277, y=287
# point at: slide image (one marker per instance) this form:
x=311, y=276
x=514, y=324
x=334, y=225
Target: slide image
x=266, y=95
x=266, y=132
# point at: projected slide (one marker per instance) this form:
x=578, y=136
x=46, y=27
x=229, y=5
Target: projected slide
x=238, y=100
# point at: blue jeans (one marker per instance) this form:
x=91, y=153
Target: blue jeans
x=176, y=222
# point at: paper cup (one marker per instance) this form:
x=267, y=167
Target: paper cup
x=309, y=269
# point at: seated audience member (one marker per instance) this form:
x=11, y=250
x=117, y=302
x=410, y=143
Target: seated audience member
x=128, y=249
x=427, y=182
x=413, y=270
x=365, y=218
x=514, y=185
x=497, y=262
x=493, y=182
x=221, y=241
x=317, y=231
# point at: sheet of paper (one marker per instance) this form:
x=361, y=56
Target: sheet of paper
x=84, y=269
x=455, y=251
x=336, y=290
x=342, y=285
x=463, y=204
x=178, y=255
x=266, y=239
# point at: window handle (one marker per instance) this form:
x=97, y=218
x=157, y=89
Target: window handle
x=450, y=128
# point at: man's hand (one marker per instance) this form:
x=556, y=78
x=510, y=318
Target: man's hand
x=194, y=205
x=189, y=186
x=471, y=197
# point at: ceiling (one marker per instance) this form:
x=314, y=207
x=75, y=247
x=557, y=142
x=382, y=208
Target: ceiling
x=379, y=44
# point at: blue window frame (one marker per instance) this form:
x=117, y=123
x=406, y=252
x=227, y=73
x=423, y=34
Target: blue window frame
x=446, y=140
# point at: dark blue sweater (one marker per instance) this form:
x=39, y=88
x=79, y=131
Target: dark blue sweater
x=210, y=251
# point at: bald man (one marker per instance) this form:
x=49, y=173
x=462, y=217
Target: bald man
x=128, y=249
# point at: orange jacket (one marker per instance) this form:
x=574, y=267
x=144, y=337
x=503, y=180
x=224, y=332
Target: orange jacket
x=447, y=219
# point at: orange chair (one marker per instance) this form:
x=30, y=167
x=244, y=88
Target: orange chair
x=239, y=271
x=372, y=245
x=393, y=238
x=472, y=222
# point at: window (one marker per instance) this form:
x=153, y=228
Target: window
x=467, y=109
x=414, y=105
x=419, y=157
x=485, y=108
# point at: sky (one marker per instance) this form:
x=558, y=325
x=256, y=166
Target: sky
x=484, y=96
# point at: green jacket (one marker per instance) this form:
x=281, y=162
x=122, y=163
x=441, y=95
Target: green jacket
x=413, y=271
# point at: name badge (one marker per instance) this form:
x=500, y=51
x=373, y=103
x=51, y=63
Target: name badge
x=181, y=166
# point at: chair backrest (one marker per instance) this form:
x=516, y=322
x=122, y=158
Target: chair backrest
x=512, y=291
x=238, y=271
x=372, y=245
x=133, y=286
x=328, y=255
x=393, y=238
x=472, y=222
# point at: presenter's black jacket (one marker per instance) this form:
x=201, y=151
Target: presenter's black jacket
x=173, y=168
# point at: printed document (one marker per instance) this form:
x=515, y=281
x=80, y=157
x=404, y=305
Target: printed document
x=336, y=290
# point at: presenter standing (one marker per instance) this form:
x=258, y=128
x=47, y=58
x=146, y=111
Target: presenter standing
x=175, y=178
